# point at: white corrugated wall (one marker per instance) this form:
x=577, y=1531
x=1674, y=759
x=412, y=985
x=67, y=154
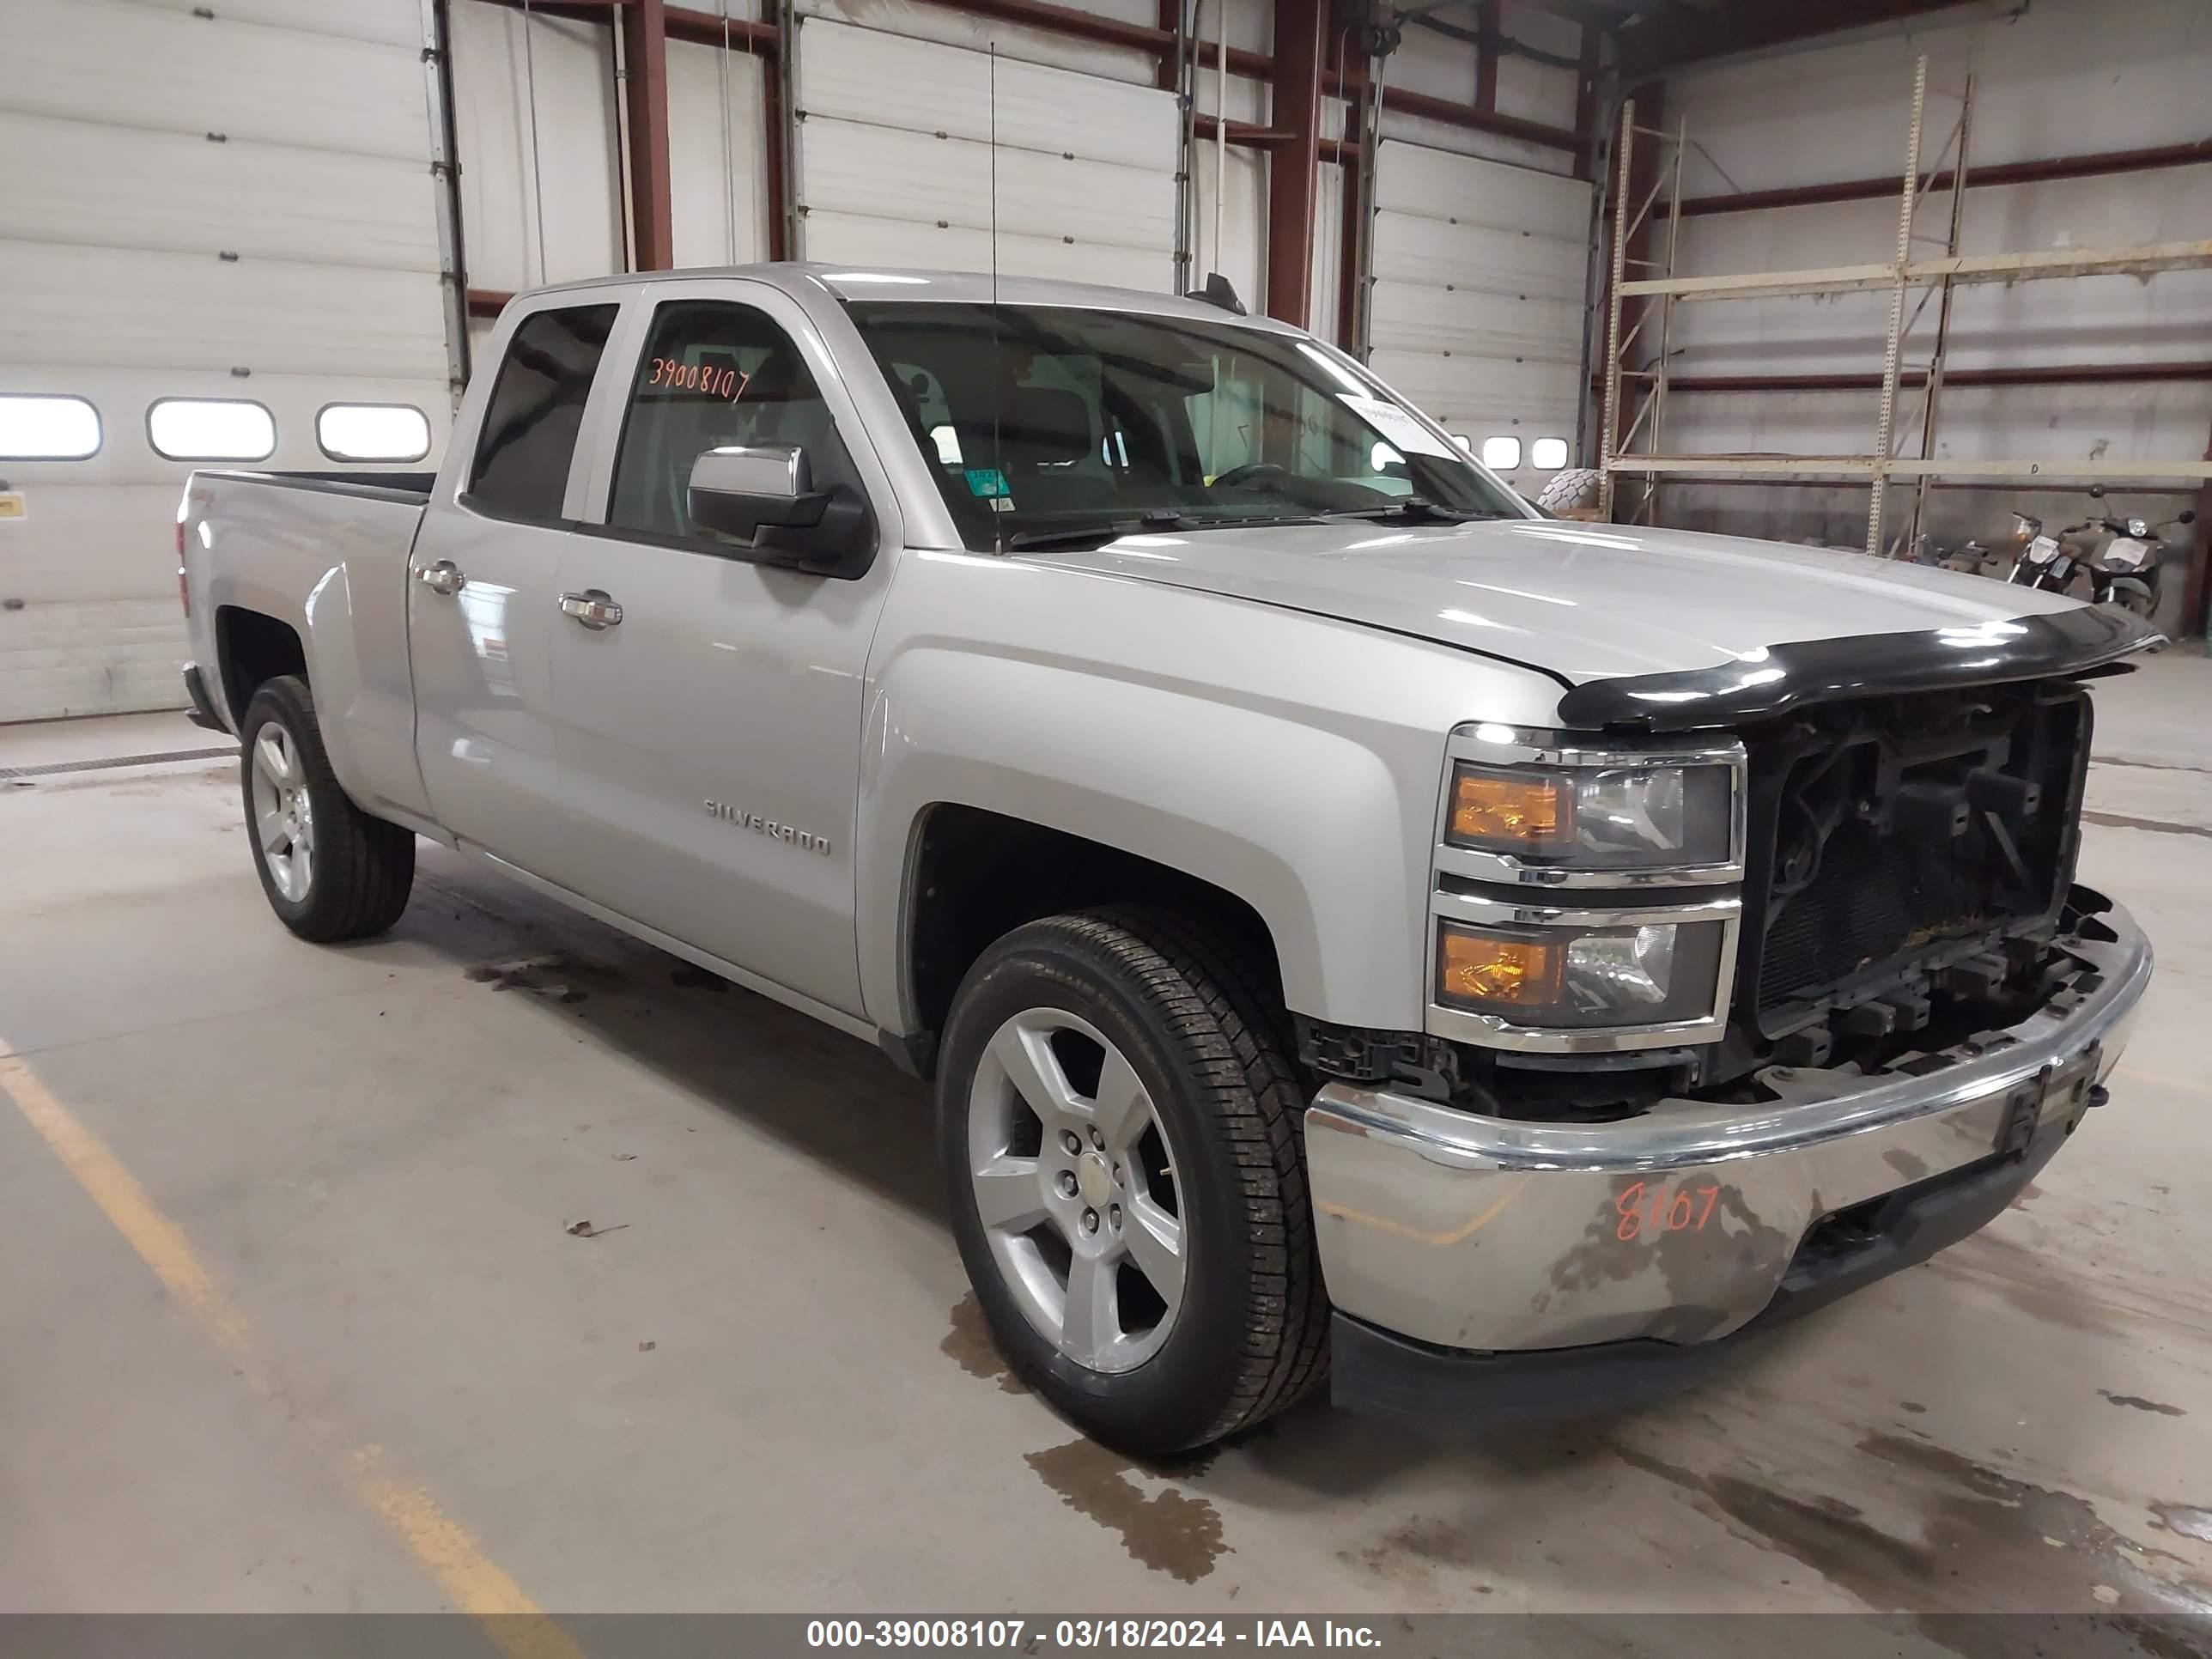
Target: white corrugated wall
x=2064, y=77
x=1477, y=306
x=916, y=153
x=237, y=206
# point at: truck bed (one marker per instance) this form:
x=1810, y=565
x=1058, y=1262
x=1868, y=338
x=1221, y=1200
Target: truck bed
x=413, y=488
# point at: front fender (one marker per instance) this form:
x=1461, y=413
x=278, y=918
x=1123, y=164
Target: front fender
x=1291, y=761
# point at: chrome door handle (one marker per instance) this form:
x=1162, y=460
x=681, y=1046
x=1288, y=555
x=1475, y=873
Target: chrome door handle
x=592, y=607
x=444, y=577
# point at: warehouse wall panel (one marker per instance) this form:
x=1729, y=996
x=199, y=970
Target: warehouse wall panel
x=534, y=114
x=2064, y=77
x=1477, y=308
x=148, y=66
x=718, y=185
x=899, y=131
x=94, y=185
x=236, y=206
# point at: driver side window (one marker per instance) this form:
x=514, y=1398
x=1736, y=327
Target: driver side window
x=713, y=373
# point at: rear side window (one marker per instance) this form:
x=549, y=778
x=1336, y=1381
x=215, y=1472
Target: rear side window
x=211, y=429
x=521, y=468
x=40, y=426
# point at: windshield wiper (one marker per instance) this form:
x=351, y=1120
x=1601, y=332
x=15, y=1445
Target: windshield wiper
x=1414, y=510
x=1158, y=519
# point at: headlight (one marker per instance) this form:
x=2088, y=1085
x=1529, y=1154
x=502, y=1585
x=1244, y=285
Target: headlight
x=1657, y=973
x=1594, y=818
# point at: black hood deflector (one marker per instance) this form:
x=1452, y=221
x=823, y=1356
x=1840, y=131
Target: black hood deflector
x=1798, y=675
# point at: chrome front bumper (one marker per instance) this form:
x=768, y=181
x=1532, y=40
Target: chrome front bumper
x=1475, y=1233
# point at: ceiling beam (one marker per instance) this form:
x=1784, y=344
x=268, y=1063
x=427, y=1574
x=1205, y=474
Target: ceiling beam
x=1666, y=39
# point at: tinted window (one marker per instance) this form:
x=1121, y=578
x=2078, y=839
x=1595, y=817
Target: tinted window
x=537, y=405
x=714, y=374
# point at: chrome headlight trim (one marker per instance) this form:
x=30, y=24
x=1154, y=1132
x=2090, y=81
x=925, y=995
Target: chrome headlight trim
x=1488, y=743
x=1493, y=1031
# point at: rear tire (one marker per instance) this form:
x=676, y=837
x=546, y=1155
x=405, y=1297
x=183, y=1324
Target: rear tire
x=1151, y=1349
x=331, y=870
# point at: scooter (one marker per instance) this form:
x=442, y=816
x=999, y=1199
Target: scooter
x=2123, y=571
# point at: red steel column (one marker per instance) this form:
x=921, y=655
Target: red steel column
x=1293, y=166
x=645, y=47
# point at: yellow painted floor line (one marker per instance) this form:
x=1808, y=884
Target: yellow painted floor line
x=444, y=1548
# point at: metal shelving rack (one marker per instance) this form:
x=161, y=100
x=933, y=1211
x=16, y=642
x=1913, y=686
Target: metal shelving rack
x=1636, y=450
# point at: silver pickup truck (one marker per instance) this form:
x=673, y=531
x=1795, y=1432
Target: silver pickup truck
x=1358, y=927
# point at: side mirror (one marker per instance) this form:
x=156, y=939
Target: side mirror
x=763, y=496
x=2096, y=492
x=2188, y=517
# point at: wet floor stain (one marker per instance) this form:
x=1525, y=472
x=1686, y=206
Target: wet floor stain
x=2157, y=826
x=2187, y=1519
x=2136, y=1402
x=552, y=976
x=1914, y=1407
x=1415, y=1549
x=969, y=1346
x=2025, y=1279
x=1987, y=1529
x=1169, y=1531
x=1983, y=1539
x=1826, y=1534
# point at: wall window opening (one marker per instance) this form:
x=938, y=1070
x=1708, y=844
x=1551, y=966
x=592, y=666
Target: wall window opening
x=373, y=432
x=39, y=426
x=211, y=429
x=1501, y=455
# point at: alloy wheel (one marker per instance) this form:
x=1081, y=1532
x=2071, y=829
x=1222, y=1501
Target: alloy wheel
x=1074, y=1181
x=283, y=812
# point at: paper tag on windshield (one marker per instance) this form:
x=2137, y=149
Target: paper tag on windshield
x=11, y=504
x=1405, y=435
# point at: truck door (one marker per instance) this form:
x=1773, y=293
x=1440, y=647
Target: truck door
x=710, y=721
x=482, y=594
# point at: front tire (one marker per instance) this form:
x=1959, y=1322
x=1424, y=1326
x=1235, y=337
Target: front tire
x=1122, y=1141
x=331, y=870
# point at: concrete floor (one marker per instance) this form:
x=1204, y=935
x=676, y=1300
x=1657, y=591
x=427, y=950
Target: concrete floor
x=762, y=1385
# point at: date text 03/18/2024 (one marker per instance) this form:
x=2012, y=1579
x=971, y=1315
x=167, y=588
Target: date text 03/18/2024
x=1080, y=1635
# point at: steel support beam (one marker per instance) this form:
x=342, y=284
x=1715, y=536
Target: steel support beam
x=1294, y=168
x=1489, y=27
x=706, y=28
x=645, y=48
x=2095, y=165
x=1586, y=134
x=1999, y=374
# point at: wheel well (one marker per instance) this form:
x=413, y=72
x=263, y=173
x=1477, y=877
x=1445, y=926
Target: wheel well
x=255, y=648
x=978, y=875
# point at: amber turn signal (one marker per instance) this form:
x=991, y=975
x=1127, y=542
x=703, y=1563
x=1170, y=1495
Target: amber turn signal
x=1489, y=970
x=1510, y=809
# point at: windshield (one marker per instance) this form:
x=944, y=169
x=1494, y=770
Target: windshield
x=1044, y=424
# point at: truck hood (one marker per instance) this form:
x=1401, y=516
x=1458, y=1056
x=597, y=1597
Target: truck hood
x=1581, y=602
